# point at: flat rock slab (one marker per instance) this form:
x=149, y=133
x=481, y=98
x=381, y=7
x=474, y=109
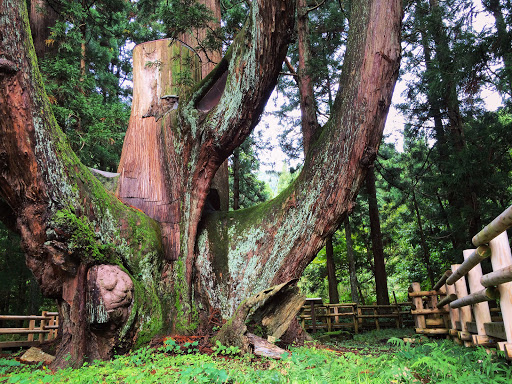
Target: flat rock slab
x=35, y=355
x=263, y=348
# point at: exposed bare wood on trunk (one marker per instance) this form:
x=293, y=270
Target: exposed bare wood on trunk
x=151, y=174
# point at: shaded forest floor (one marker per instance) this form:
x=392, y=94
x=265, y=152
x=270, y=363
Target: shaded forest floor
x=373, y=357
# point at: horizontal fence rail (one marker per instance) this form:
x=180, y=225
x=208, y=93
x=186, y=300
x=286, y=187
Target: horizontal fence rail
x=315, y=316
x=46, y=330
x=467, y=316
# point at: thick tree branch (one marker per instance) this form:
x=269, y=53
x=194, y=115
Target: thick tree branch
x=265, y=241
x=247, y=74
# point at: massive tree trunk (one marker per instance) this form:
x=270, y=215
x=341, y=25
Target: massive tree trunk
x=121, y=275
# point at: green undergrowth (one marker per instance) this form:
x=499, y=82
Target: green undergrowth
x=393, y=361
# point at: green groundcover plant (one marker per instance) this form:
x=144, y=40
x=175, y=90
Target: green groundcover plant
x=366, y=359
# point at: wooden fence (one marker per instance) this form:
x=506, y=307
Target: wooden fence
x=472, y=318
x=46, y=330
x=315, y=315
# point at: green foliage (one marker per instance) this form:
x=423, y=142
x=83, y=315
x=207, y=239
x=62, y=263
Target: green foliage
x=361, y=362
x=444, y=362
x=328, y=25
x=19, y=292
x=219, y=349
x=84, y=68
x=252, y=190
x=172, y=347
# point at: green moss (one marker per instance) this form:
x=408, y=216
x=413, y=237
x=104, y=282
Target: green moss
x=148, y=309
x=83, y=241
x=185, y=315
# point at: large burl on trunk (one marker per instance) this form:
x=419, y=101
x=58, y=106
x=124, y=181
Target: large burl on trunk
x=157, y=258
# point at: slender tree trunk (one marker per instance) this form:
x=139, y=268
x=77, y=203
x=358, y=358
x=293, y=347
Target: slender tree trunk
x=504, y=39
x=351, y=261
x=307, y=97
x=424, y=247
x=83, y=51
x=331, y=272
x=381, y=280
x=462, y=201
x=42, y=18
x=236, y=179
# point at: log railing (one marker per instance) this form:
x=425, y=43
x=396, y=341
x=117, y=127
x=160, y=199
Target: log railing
x=466, y=316
x=315, y=315
x=48, y=324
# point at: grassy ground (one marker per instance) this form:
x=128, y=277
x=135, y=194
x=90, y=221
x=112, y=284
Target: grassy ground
x=374, y=357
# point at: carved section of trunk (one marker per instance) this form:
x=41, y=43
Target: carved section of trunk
x=146, y=181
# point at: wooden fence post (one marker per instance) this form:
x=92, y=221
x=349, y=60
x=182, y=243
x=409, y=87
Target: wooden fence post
x=501, y=258
x=464, y=312
x=399, y=323
x=419, y=320
x=43, y=324
x=355, y=312
x=31, y=326
x=480, y=310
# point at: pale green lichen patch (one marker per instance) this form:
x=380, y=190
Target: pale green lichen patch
x=97, y=313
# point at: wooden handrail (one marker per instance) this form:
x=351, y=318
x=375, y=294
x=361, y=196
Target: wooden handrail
x=495, y=228
x=47, y=326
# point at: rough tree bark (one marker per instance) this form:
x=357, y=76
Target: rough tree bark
x=84, y=245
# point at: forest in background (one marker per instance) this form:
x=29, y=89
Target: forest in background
x=451, y=178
